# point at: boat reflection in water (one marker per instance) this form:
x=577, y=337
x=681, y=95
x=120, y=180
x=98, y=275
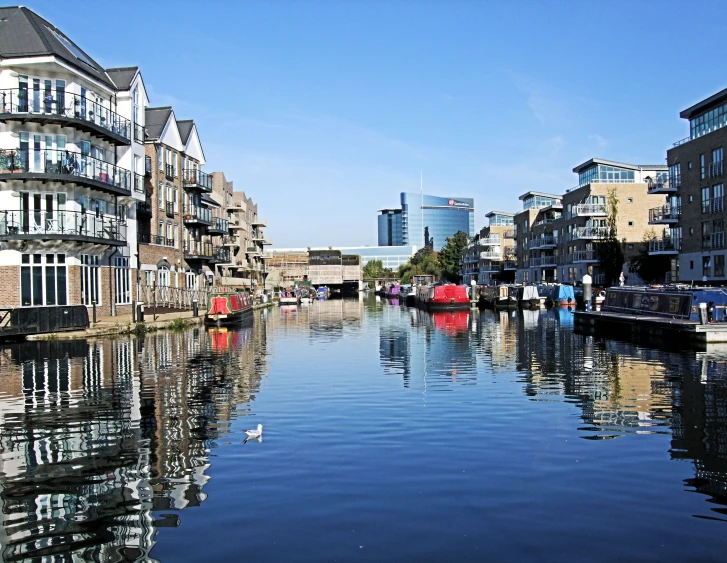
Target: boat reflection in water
x=451, y=322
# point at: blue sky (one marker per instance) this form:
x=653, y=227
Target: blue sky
x=325, y=111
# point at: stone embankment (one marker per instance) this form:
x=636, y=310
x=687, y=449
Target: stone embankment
x=122, y=324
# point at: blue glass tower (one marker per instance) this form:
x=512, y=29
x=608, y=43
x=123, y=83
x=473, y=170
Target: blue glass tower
x=435, y=218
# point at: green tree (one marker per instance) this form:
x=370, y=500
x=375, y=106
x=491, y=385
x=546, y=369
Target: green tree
x=609, y=251
x=451, y=255
x=650, y=268
x=425, y=261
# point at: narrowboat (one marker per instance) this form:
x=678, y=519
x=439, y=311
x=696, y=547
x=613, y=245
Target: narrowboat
x=226, y=307
x=496, y=297
x=408, y=295
x=446, y=297
x=393, y=291
x=526, y=296
x=557, y=295
x=323, y=292
x=674, y=302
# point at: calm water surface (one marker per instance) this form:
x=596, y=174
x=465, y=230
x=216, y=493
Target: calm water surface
x=389, y=435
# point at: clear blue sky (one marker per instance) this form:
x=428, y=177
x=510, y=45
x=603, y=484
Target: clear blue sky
x=325, y=111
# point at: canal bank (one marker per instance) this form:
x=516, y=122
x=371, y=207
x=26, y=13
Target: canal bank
x=123, y=324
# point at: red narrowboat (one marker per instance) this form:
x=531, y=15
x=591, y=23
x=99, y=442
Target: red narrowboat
x=446, y=297
x=228, y=307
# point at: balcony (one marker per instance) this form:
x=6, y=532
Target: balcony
x=231, y=241
x=488, y=267
x=714, y=205
x=547, y=241
x=665, y=215
x=138, y=183
x=257, y=236
x=714, y=241
x=221, y=255
x=510, y=265
x=543, y=222
x=509, y=234
x=139, y=133
x=581, y=256
x=659, y=186
x=196, y=250
x=219, y=226
x=62, y=225
x=259, y=223
x=492, y=240
x=546, y=261
x=197, y=215
x=64, y=166
x=565, y=259
x=590, y=233
x=144, y=206
x=158, y=240
x=716, y=169
x=169, y=171
x=589, y=210
x=170, y=209
x=66, y=110
x=492, y=254
x=253, y=250
x=196, y=179
x=667, y=245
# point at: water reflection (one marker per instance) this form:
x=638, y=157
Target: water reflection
x=103, y=443
x=99, y=436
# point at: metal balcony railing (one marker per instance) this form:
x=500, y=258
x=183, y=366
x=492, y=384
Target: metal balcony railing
x=159, y=240
x=70, y=165
x=665, y=214
x=584, y=256
x=542, y=242
x=589, y=210
x=231, y=241
x=61, y=104
x=144, y=206
x=169, y=171
x=492, y=254
x=198, y=249
x=716, y=169
x=509, y=234
x=139, y=133
x=138, y=183
x=492, y=240
x=197, y=214
x=219, y=224
x=197, y=179
x=714, y=241
x=714, y=205
x=170, y=209
x=657, y=186
x=588, y=233
x=68, y=225
x=666, y=245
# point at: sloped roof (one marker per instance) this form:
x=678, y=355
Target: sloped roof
x=23, y=33
x=122, y=77
x=155, y=120
x=185, y=128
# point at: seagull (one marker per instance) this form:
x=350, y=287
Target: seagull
x=254, y=434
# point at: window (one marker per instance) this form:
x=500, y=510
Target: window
x=691, y=264
x=149, y=278
x=630, y=200
x=175, y=230
x=90, y=280
x=43, y=282
x=708, y=121
x=123, y=280
x=170, y=234
x=691, y=198
x=174, y=164
x=631, y=246
x=691, y=231
x=675, y=175
x=706, y=266
x=705, y=200
x=717, y=198
x=706, y=234
x=136, y=105
x=689, y=165
x=719, y=265
x=701, y=167
x=160, y=156
x=631, y=223
x=176, y=200
x=161, y=232
x=160, y=194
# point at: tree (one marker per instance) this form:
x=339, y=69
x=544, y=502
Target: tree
x=451, y=255
x=609, y=251
x=373, y=269
x=650, y=268
x=425, y=261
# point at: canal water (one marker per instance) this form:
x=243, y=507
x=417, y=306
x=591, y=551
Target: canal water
x=389, y=434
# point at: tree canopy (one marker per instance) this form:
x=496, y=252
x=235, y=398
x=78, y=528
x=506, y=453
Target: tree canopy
x=650, y=268
x=374, y=269
x=451, y=255
x=425, y=261
x=609, y=251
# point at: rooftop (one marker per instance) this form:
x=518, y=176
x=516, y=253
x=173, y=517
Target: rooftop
x=527, y=195
x=505, y=213
x=185, y=128
x=593, y=161
x=705, y=105
x=122, y=77
x=155, y=120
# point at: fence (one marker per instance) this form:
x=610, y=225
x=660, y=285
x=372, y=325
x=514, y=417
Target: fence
x=174, y=297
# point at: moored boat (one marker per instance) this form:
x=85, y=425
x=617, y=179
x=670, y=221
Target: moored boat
x=323, y=292
x=446, y=297
x=557, y=295
x=227, y=307
x=289, y=297
x=393, y=291
x=525, y=295
x=674, y=302
x=496, y=297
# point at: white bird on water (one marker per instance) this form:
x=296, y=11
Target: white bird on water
x=254, y=434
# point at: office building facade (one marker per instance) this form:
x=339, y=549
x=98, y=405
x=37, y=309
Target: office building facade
x=426, y=220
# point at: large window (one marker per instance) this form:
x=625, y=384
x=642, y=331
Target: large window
x=708, y=122
x=123, y=280
x=705, y=200
x=675, y=175
x=701, y=167
x=43, y=280
x=719, y=265
x=90, y=280
x=605, y=174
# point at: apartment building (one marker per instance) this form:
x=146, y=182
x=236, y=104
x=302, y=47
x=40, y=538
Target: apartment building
x=491, y=252
x=68, y=159
x=535, y=230
x=586, y=210
x=181, y=229
x=692, y=217
x=247, y=230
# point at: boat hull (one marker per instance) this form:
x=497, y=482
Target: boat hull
x=230, y=308
x=228, y=320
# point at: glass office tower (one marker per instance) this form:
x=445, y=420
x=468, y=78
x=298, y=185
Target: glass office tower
x=435, y=218
x=390, y=227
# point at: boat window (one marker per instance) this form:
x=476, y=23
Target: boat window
x=674, y=304
x=654, y=303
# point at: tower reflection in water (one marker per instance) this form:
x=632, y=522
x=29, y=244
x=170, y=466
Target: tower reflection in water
x=97, y=437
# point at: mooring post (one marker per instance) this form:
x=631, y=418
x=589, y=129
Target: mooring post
x=587, y=291
x=94, y=311
x=195, y=309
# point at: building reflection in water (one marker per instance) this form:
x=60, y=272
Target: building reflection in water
x=97, y=436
